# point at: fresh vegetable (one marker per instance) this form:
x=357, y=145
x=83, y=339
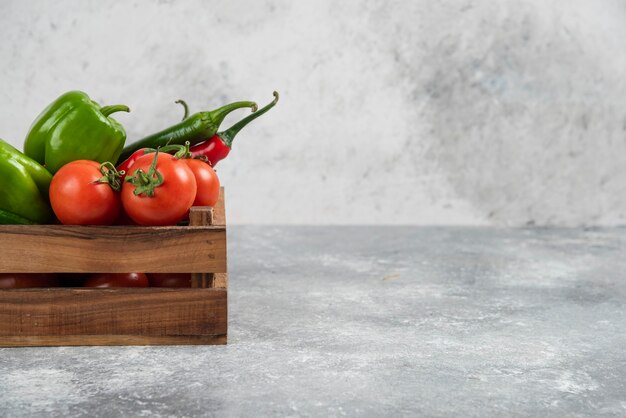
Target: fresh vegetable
x=218, y=146
x=24, y=187
x=207, y=182
x=194, y=129
x=169, y=279
x=27, y=280
x=84, y=193
x=125, y=166
x=102, y=280
x=9, y=218
x=74, y=127
x=212, y=150
x=159, y=190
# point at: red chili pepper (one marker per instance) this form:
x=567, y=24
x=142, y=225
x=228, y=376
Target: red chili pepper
x=218, y=146
x=182, y=150
x=213, y=150
x=127, y=163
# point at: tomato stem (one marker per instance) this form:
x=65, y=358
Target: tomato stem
x=110, y=175
x=146, y=182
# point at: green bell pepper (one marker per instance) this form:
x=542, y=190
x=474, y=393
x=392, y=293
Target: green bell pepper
x=74, y=127
x=24, y=187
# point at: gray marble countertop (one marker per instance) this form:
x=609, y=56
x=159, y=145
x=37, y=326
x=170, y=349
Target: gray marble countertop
x=372, y=321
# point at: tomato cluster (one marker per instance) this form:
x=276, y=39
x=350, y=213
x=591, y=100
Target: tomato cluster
x=159, y=189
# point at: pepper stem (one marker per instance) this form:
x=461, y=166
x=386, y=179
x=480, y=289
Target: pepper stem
x=218, y=115
x=185, y=106
x=182, y=151
x=107, y=110
x=229, y=134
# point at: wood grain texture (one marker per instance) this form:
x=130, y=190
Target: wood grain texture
x=219, y=211
x=112, y=316
x=122, y=316
x=112, y=249
x=201, y=280
x=220, y=280
x=210, y=280
x=82, y=340
x=201, y=216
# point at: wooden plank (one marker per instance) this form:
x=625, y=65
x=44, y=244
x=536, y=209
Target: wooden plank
x=201, y=280
x=201, y=216
x=111, y=316
x=211, y=280
x=82, y=340
x=219, y=211
x=220, y=280
x=112, y=249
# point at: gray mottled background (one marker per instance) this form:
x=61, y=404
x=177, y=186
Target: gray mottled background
x=404, y=112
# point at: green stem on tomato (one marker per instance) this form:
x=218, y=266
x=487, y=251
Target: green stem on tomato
x=146, y=182
x=110, y=175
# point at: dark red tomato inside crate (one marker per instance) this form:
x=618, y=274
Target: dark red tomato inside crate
x=169, y=279
x=104, y=280
x=28, y=280
x=109, y=280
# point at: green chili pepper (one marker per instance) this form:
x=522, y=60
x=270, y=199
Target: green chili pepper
x=195, y=128
x=24, y=187
x=74, y=127
x=9, y=218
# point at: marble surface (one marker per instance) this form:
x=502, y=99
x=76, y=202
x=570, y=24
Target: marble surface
x=396, y=112
x=376, y=321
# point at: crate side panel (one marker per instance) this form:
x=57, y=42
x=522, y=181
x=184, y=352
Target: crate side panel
x=115, y=312
x=114, y=249
x=219, y=211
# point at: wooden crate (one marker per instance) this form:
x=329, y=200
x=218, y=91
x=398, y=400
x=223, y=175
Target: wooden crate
x=121, y=316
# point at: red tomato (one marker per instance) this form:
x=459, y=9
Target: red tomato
x=26, y=280
x=208, y=184
x=169, y=279
x=171, y=199
x=117, y=280
x=77, y=200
